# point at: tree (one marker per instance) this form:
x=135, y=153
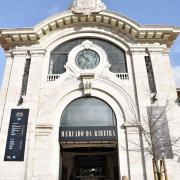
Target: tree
x=155, y=131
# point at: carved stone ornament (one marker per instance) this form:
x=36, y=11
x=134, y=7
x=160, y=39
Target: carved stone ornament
x=87, y=7
x=87, y=44
x=87, y=79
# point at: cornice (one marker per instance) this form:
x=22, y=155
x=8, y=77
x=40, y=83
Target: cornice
x=141, y=33
x=20, y=52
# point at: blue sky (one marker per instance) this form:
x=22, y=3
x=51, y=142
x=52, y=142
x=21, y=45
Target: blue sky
x=25, y=13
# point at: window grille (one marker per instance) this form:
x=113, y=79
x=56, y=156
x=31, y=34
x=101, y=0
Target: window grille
x=150, y=74
x=25, y=77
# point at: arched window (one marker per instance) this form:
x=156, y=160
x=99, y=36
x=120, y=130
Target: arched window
x=59, y=55
x=88, y=111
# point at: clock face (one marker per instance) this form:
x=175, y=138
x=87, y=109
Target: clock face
x=87, y=59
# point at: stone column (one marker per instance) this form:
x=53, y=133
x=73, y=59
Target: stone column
x=140, y=72
x=122, y=152
x=135, y=152
x=17, y=72
x=42, y=153
x=142, y=96
x=11, y=90
x=163, y=74
x=32, y=101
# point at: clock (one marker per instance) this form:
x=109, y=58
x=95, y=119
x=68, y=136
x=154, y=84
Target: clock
x=87, y=59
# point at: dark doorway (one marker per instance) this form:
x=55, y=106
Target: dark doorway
x=90, y=167
x=90, y=163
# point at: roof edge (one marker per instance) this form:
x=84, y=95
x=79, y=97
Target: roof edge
x=141, y=33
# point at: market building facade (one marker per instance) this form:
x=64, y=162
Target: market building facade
x=76, y=92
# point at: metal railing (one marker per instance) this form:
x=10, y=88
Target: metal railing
x=123, y=76
x=53, y=77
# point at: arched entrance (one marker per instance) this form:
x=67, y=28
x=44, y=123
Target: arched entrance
x=88, y=140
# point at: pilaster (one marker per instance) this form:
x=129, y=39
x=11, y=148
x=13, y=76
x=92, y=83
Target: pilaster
x=163, y=74
x=42, y=152
x=17, y=72
x=35, y=72
x=135, y=152
x=31, y=100
x=12, y=88
x=140, y=74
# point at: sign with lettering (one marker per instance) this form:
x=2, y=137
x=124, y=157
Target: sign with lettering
x=160, y=132
x=16, y=139
x=92, y=133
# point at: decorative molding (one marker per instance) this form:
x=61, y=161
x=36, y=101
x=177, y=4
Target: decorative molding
x=131, y=125
x=70, y=77
x=43, y=129
x=137, y=50
x=8, y=54
x=20, y=52
x=87, y=7
x=103, y=76
x=126, y=27
x=54, y=77
x=37, y=52
x=87, y=79
x=87, y=44
x=71, y=64
x=155, y=49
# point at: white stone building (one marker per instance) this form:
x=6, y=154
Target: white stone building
x=80, y=83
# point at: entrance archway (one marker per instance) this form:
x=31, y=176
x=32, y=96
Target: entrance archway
x=88, y=140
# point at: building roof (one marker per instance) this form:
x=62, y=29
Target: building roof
x=162, y=34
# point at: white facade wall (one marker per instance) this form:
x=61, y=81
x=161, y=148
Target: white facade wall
x=47, y=100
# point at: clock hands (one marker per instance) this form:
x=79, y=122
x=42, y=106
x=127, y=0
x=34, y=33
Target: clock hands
x=85, y=65
x=87, y=59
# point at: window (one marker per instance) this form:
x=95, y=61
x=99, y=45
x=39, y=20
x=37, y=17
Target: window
x=25, y=77
x=150, y=74
x=59, y=55
x=178, y=95
x=88, y=111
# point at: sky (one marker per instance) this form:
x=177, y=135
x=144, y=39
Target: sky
x=28, y=13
